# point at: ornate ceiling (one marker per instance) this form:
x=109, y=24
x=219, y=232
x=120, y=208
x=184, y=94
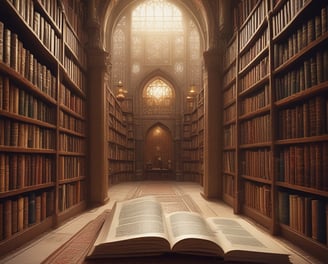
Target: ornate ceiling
x=205, y=13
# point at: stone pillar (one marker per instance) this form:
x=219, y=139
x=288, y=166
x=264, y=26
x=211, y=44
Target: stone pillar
x=213, y=126
x=98, y=78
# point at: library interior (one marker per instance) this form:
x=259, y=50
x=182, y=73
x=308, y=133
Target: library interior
x=214, y=106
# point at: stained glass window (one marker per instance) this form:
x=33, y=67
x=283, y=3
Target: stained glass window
x=156, y=15
x=119, y=52
x=158, y=97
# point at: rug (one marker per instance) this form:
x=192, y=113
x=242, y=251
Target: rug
x=171, y=197
x=76, y=249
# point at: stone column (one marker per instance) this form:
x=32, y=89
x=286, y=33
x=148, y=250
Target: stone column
x=98, y=79
x=213, y=126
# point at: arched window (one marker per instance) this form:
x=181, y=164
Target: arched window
x=156, y=16
x=156, y=35
x=158, y=97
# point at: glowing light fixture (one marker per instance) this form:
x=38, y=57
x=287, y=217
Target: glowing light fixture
x=192, y=93
x=120, y=96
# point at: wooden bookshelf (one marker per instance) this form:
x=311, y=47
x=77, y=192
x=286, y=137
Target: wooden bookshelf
x=193, y=140
x=300, y=64
x=275, y=124
x=229, y=93
x=121, y=142
x=42, y=124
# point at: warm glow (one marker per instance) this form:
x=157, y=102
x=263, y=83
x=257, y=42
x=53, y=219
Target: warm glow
x=156, y=16
x=158, y=90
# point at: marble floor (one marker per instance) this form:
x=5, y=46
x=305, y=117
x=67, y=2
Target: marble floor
x=37, y=250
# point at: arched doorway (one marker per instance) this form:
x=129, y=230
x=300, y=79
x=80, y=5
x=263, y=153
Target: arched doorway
x=158, y=153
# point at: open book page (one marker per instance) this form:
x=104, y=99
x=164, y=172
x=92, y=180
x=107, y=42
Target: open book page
x=190, y=233
x=137, y=226
x=240, y=240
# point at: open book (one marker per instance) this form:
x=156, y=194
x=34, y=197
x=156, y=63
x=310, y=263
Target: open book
x=139, y=227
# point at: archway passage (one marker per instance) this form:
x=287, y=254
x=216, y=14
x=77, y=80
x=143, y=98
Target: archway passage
x=158, y=153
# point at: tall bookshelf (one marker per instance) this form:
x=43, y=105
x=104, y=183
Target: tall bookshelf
x=42, y=124
x=128, y=118
x=229, y=94
x=193, y=139
x=120, y=132
x=300, y=82
x=280, y=111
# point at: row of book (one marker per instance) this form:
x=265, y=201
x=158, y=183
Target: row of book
x=117, y=138
x=71, y=167
x=230, y=133
x=190, y=143
x=22, y=212
x=229, y=113
x=14, y=54
x=253, y=23
x=305, y=214
x=72, y=101
x=306, y=119
x=255, y=101
x=47, y=35
x=230, y=55
x=54, y=10
x=229, y=95
x=307, y=32
x=288, y=11
x=18, y=101
x=304, y=165
x=255, y=50
x=117, y=153
x=26, y=9
x=70, y=194
x=256, y=74
x=75, y=73
x=69, y=143
x=75, y=14
x=229, y=75
x=120, y=167
x=22, y=170
x=258, y=197
x=115, y=124
x=245, y=8
x=229, y=161
x=24, y=135
x=256, y=130
x=75, y=46
x=40, y=25
x=120, y=137
x=71, y=123
x=256, y=163
x=310, y=72
x=115, y=113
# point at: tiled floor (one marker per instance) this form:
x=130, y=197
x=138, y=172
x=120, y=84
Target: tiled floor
x=39, y=249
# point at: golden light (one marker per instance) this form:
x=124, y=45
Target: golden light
x=120, y=96
x=191, y=93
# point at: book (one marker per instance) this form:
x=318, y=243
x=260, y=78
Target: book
x=139, y=227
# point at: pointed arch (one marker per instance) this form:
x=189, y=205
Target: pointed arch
x=158, y=96
x=158, y=147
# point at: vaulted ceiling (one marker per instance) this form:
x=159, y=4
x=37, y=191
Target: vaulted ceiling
x=205, y=13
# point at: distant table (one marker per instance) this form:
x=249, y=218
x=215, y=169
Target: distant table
x=159, y=174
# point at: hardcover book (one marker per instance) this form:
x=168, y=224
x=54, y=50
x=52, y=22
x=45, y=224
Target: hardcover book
x=139, y=227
